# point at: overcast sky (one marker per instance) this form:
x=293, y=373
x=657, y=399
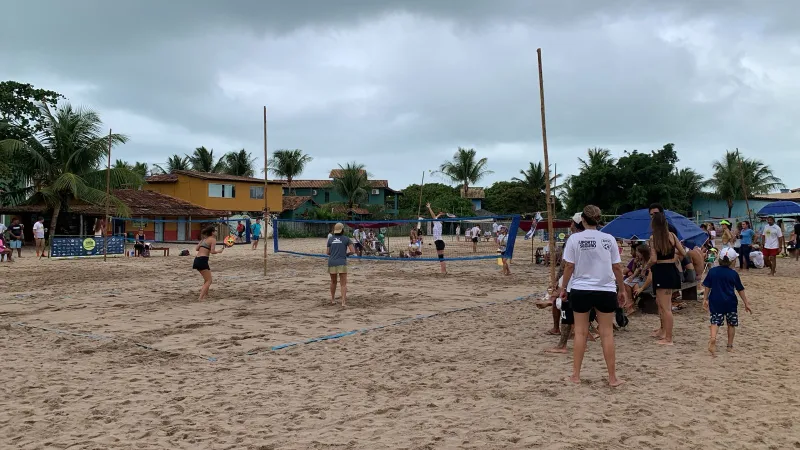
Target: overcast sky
x=398, y=85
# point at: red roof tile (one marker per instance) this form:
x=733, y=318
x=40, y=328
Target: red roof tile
x=291, y=203
x=173, y=177
x=140, y=203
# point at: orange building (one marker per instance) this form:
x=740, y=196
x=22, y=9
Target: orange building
x=219, y=191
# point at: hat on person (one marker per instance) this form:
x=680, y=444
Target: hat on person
x=728, y=253
x=724, y=222
x=338, y=228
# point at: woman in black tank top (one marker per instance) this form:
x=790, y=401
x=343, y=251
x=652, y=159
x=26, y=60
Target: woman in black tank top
x=665, y=274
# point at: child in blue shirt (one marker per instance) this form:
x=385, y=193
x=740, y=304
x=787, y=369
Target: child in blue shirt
x=721, y=285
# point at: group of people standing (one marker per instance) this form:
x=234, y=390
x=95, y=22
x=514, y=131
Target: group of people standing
x=592, y=284
x=13, y=237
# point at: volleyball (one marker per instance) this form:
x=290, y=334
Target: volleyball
x=230, y=240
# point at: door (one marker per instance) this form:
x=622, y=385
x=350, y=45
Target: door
x=182, y=229
x=159, y=226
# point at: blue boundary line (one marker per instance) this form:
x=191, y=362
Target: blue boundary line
x=342, y=334
x=100, y=337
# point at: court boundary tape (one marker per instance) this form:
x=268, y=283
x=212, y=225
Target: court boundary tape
x=418, y=317
x=101, y=337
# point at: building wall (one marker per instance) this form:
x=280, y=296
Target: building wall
x=334, y=197
x=195, y=190
x=709, y=208
x=170, y=228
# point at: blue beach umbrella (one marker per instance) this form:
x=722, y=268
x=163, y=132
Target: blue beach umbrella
x=637, y=224
x=781, y=208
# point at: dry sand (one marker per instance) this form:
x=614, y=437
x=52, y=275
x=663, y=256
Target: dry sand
x=468, y=379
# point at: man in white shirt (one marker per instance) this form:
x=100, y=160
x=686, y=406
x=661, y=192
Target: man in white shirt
x=38, y=236
x=437, y=238
x=593, y=273
x=495, y=227
x=771, y=243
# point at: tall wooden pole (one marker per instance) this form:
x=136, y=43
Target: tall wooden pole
x=744, y=186
x=419, y=207
x=108, y=198
x=267, y=221
x=552, y=240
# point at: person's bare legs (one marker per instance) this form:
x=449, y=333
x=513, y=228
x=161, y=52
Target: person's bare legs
x=712, y=340
x=566, y=330
x=39, y=247
x=605, y=325
x=442, y=264
x=343, y=282
x=664, y=299
x=206, y=283
x=659, y=332
x=731, y=334
x=333, y=288
x=556, y=321
x=773, y=262
x=579, y=345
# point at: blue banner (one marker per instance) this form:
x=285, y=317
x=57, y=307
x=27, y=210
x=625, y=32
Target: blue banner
x=83, y=247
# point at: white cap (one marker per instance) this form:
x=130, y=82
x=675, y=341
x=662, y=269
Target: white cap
x=729, y=253
x=578, y=217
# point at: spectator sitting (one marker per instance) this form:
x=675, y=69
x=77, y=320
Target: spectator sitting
x=5, y=252
x=756, y=258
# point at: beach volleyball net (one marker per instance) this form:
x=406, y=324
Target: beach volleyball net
x=465, y=238
x=184, y=231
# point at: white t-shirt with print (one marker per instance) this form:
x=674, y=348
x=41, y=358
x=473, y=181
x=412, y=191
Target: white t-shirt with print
x=772, y=235
x=593, y=253
x=38, y=230
x=758, y=259
x=437, y=231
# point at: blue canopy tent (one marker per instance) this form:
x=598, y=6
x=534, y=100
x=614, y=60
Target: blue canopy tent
x=636, y=224
x=780, y=208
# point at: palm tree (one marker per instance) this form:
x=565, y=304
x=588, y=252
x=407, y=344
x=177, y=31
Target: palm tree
x=142, y=169
x=736, y=177
x=65, y=161
x=687, y=184
x=122, y=164
x=288, y=164
x=534, y=179
x=174, y=163
x=352, y=184
x=202, y=160
x=464, y=169
x=598, y=157
x=239, y=163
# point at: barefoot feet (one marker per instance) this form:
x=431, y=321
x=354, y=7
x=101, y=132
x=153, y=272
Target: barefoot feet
x=712, y=346
x=556, y=350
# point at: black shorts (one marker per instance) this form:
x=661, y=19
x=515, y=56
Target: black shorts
x=358, y=246
x=201, y=263
x=568, y=317
x=439, y=245
x=475, y=240
x=584, y=301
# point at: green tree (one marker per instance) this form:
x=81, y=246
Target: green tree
x=64, y=161
x=735, y=176
x=142, y=169
x=239, y=163
x=592, y=184
x=288, y=164
x=510, y=197
x=20, y=119
x=202, y=160
x=440, y=196
x=174, y=163
x=20, y=109
x=352, y=184
x=465, y=169
x=688, y=185
x=533, y=179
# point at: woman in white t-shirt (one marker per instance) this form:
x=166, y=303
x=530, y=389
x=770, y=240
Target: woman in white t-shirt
x=593, y=272
x=437, y=238
x=502, y=244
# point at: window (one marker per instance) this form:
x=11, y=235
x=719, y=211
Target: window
x=257, y=192
x=327, y=197
x=221, y=190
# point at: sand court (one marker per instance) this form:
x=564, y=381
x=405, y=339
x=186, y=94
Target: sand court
x=470, y=379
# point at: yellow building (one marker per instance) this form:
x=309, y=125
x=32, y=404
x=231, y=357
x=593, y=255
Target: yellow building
x=219, y=191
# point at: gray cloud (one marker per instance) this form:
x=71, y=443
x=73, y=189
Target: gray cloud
x=399, y=85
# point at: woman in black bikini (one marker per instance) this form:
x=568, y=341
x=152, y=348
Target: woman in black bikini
x=205, y=248
x=666, y=277
x=138, y=246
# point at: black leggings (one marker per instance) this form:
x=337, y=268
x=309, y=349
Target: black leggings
x=744, y=257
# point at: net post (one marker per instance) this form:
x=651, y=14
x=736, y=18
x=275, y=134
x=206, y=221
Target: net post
x=513, y=230
x=551, y=238
x=274, y=236
x=108, y=196
x=266, y=197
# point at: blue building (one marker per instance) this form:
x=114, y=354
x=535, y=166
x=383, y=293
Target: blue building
x=475, y=195
x=706, y=208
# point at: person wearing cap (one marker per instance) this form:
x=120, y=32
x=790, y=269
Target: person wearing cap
x=339, y=248
x=721, y=285
x=727, y=236
x=771, y=243
x=593, y=273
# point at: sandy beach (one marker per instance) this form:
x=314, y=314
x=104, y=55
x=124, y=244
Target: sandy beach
x=121, y=355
